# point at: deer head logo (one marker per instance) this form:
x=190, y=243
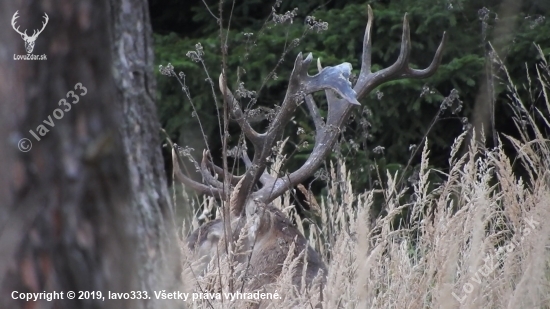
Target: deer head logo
x=29, y=40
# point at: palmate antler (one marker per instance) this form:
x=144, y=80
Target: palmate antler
x=271, y=237
x=301, y=87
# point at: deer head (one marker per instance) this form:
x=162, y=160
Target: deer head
x=270, y=232
x=29, y=40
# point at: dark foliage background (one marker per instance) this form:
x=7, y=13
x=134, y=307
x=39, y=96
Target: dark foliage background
x=396, y=116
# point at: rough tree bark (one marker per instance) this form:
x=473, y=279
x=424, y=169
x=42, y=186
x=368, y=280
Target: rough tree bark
x=133, y=61
x=86, y=208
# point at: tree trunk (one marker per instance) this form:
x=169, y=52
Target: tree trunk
x=86, y=208
x=133, y=59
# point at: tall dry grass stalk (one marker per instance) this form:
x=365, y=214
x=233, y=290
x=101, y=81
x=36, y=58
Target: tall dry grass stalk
x=480, y=239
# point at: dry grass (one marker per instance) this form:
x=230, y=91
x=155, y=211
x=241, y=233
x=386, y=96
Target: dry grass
x=480, y=239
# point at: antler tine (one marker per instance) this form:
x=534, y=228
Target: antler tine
x=206, y=175
x=16, y=16
x=367, y=44
x=367, y=80
x=197, y=186
x=436, y=61
x=35, y=32
x=238, y=114
x=265, y=179
x=219, y=171
x=330, y=96
x=44, y=23
x=314, y=112
x=312, y=106
x=319, y=65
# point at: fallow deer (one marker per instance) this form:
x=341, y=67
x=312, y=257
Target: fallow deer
x=270, y=233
